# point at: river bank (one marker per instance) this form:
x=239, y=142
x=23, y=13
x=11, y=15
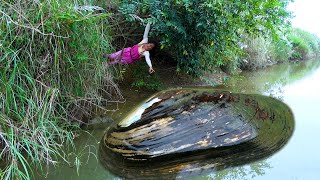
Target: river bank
x=169, y=77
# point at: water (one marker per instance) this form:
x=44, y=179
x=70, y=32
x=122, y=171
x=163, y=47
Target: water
x=300, y=158
x=295, y=84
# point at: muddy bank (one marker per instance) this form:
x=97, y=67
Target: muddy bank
x=167, y=74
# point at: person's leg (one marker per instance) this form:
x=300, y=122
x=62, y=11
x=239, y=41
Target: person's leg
x=126, y=56
x=115, y=57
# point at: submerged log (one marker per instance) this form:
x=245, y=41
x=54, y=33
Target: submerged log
x=187, y=132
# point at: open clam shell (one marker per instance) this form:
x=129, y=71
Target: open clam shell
x=185, y=132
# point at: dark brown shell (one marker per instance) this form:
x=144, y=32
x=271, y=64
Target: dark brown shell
x=185, y=132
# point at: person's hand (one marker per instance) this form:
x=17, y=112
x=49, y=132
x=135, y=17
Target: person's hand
x=151, y=70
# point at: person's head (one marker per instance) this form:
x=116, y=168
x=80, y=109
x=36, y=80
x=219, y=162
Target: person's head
x=153, y=49
x=149, y=46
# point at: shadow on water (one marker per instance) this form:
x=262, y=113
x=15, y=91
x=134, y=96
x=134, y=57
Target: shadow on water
x=182, y=133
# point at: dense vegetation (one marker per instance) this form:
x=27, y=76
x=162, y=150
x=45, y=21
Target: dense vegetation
x=293, y=44
x=304, y=44
x=228, y=34
x=52, y=74
x=206, y=34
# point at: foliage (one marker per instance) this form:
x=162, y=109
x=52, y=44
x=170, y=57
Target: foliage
x=304, y=44
x=310, y=39
x=261, y=51
x=50, y=72
x=186, y=27
x=300, y=48
x=143, y=80
x=257, y=52
x=281, y=48
x=291, y=43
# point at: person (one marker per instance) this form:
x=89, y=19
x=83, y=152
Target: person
x=130, y=55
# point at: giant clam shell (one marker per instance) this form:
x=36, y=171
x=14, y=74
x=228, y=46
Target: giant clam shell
x=186, y=132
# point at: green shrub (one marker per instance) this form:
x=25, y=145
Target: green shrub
x=257, y=51
x=51, y=76
x=300, y=47
x=261, y=51
x=186, y=27
x=142, y=80
x=281, y=49
x=317, y=39
x=310, y=39
x=305, y=45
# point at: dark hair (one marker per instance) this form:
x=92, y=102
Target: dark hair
x=155, y=49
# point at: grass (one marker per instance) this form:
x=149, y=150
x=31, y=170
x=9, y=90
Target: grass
x=293, y=44
x=305, y=45
x=257, y=52
x=51, y=77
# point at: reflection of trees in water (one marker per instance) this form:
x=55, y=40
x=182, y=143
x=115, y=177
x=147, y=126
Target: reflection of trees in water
x=270, y=81
x=294, y=72
x=302, y=69
x=243, y=172
x=275, y=91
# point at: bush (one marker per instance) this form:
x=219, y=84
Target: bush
x=281, y=48
x=299, y=46
x=305, y=44
x=50, y=74
x=142, y=80
x=187, y=27
x=257, y=52
x=310, y=39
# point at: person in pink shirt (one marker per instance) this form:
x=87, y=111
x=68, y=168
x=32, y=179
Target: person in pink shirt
x=131, y=54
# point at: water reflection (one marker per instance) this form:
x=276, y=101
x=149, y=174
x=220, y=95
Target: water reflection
x=270, y=81
x=277, y=81
x=244, y=172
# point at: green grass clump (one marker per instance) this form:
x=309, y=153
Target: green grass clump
x=257, y=50
x=300, y=48
x=142, y=80
x=51, y=76
x=290, y=44
x=304, y=44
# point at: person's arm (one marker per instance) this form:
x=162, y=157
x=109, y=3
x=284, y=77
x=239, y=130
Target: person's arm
x=148, y=60
x=145, y=34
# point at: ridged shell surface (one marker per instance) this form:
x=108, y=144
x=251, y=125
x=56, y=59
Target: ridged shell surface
x=186, y=132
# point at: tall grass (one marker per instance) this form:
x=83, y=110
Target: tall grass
x=281, y=49
x=305, y=45
x=292, y=44
x=51, y=77
x=257, y=52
